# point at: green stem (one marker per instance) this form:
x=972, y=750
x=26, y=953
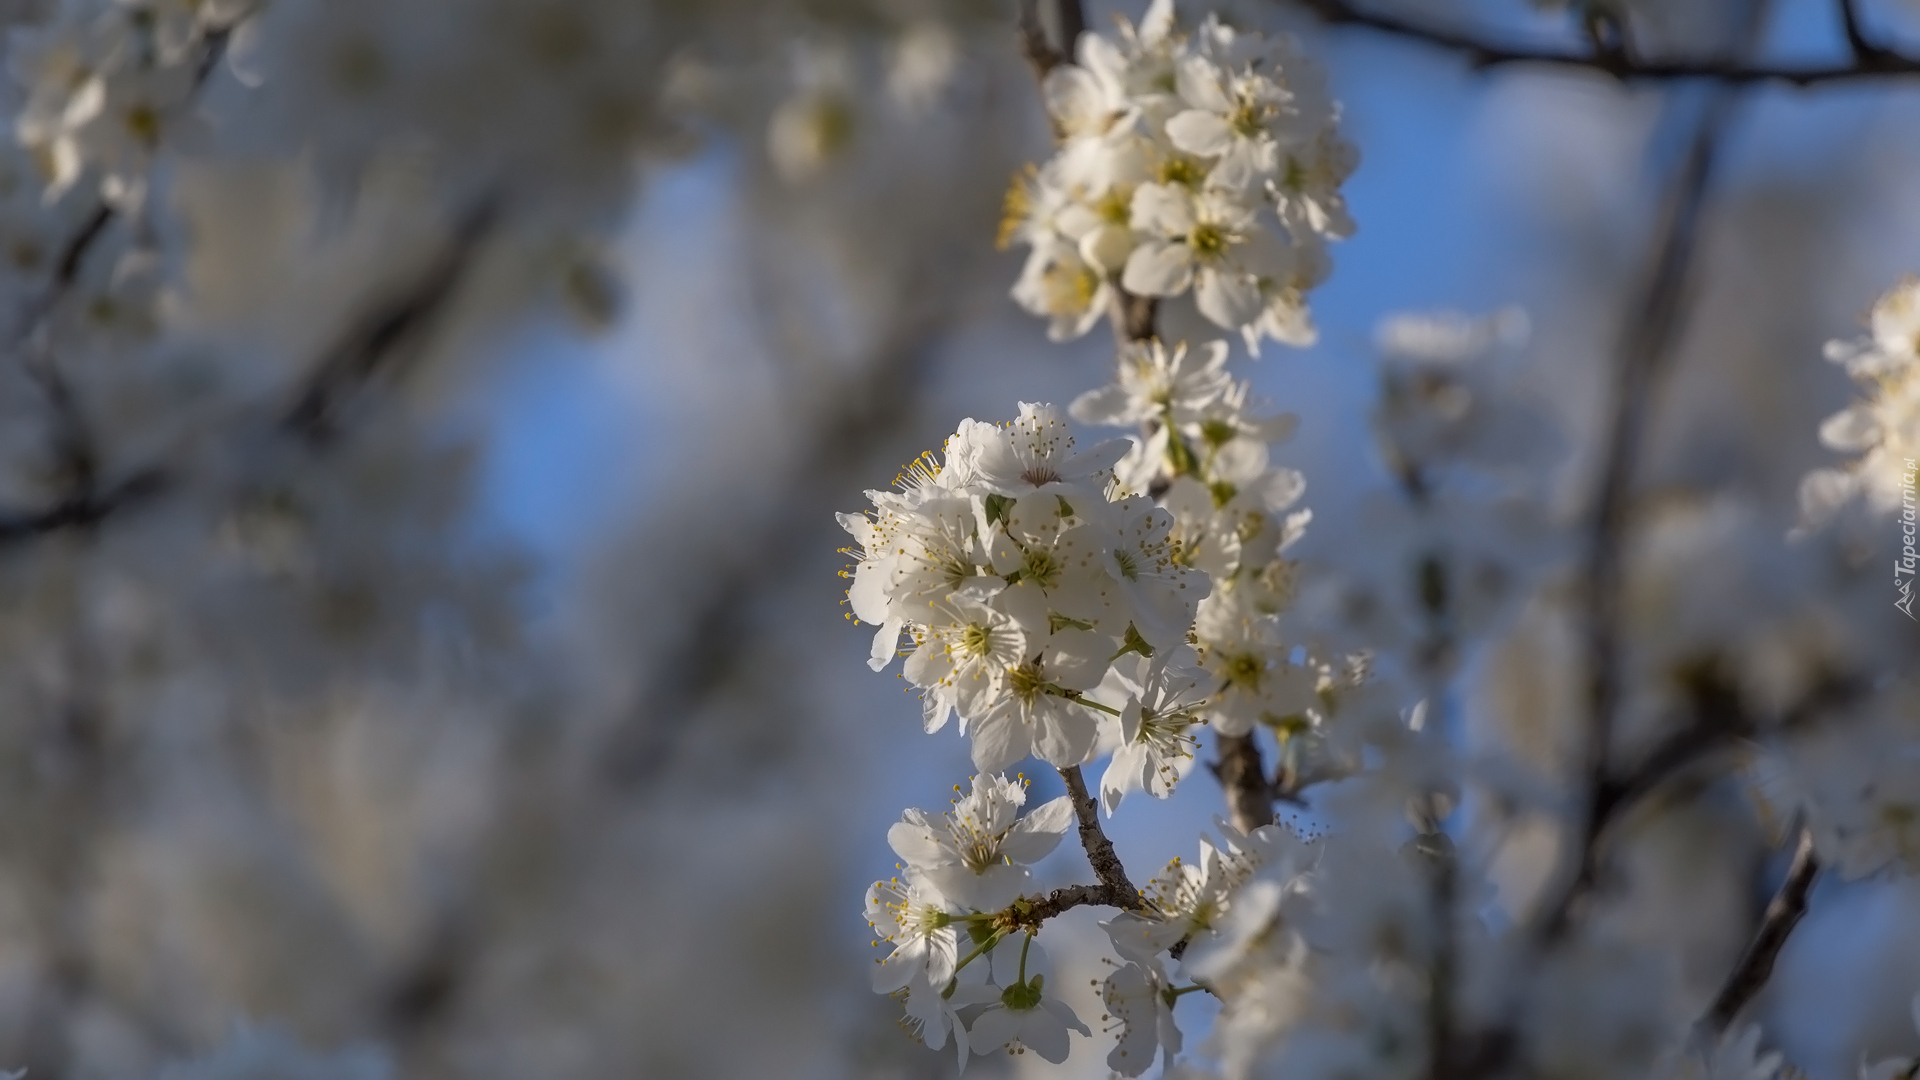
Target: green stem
x=992, y=940
x=1024, y=946
x=1076, y=696
x=1195, y=989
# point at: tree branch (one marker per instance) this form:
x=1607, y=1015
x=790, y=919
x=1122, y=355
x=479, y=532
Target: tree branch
x=1866, y=53
x=1117, y=889
x=1028, y=914
x=1718, y=720
x=1243, y=778
x=82, y=512
x=360, y=355
x=1868, y=61
x=1035, y=44
x=369, y=347
x=1645, y=347
x=1750, y=975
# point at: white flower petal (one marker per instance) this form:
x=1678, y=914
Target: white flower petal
x=1043, y=1032
x=1203, y=134
x=1227, y=298
x=1038, y=833
x=1162, y=210
x=1850, y=429
x=1158, y=268
x=994, y=1028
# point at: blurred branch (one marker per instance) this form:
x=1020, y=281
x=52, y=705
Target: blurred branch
x=1449, y=1054
x=862, y=411
x=82, y=512
x=1750, y=975
x=1648, y=341
x=1041, y=51
x=1867, y=62
x=1866, y=52
x=1718, y=720
x=372, y=346
x=363, y=353
x=1100, y=853
x=77, y=458
x=1243, y=779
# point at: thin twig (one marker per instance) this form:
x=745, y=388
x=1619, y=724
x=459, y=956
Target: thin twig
x=1718, y=722
x=1100, y=853
x=1750, y=975
x=1866, y=53
x=1875, y=62
x=1643, y=355
x=371, y=346
x=82, y=512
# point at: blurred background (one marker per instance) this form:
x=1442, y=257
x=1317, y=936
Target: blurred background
x=515, y=728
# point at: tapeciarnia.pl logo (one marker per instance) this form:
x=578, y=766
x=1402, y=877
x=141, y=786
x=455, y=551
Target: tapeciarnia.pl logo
x=1905, y=565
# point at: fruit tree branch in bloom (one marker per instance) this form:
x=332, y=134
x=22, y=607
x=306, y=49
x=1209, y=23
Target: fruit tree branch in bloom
x=1240, y=768
x=1868, y=61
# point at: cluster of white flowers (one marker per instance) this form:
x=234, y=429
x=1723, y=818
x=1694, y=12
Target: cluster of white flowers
x=1882, y=428
x=107, y=82
x=1225, y=924
x=961, y=870
x=1048, y=600
x=1126, y=599
x=1207, y=162
x=1021, y=574
x=1120, y=599
x=1206, y=458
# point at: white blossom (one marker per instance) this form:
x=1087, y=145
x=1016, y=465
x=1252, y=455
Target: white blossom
x=1035, y=451
x=1025, y=1018
x=977, y=853
x=1170, y=387
x=1208, y=161
x=1882, y=428
x=1157, y=746
x=919, y=921
x=1061, y=283
x=1139, y=1001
